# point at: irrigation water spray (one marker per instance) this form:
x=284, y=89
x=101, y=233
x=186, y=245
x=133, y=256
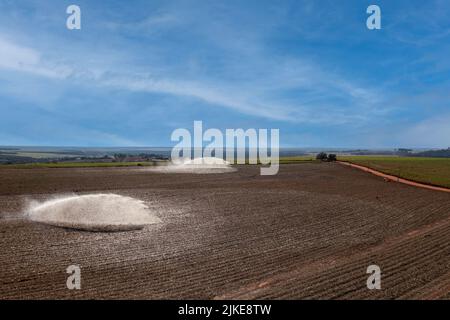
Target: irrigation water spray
x=94, y=212
x=204, y=165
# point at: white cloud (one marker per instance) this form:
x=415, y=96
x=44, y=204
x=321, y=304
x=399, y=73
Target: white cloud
x=25, y=59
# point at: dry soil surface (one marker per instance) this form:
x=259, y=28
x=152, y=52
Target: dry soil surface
x=309, y=232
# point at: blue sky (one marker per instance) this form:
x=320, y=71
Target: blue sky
x=137, y=70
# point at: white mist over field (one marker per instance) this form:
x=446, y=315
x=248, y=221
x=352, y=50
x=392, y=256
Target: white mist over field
x=95, y=212
x=197, y=166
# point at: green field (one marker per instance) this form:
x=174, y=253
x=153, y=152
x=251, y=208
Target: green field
x=297, y=159
x=75, y=165
x=283, y=160
x=434, y=171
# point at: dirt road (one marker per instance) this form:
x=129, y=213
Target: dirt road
x=308, y=232
x=394, y=178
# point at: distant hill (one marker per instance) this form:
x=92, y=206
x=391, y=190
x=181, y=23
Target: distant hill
x=444, y=153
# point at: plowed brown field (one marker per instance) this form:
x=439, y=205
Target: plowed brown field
x=308, y=232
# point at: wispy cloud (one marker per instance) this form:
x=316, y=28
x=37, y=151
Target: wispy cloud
x=238, y=97
x=432, y=132
x=25, y=59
